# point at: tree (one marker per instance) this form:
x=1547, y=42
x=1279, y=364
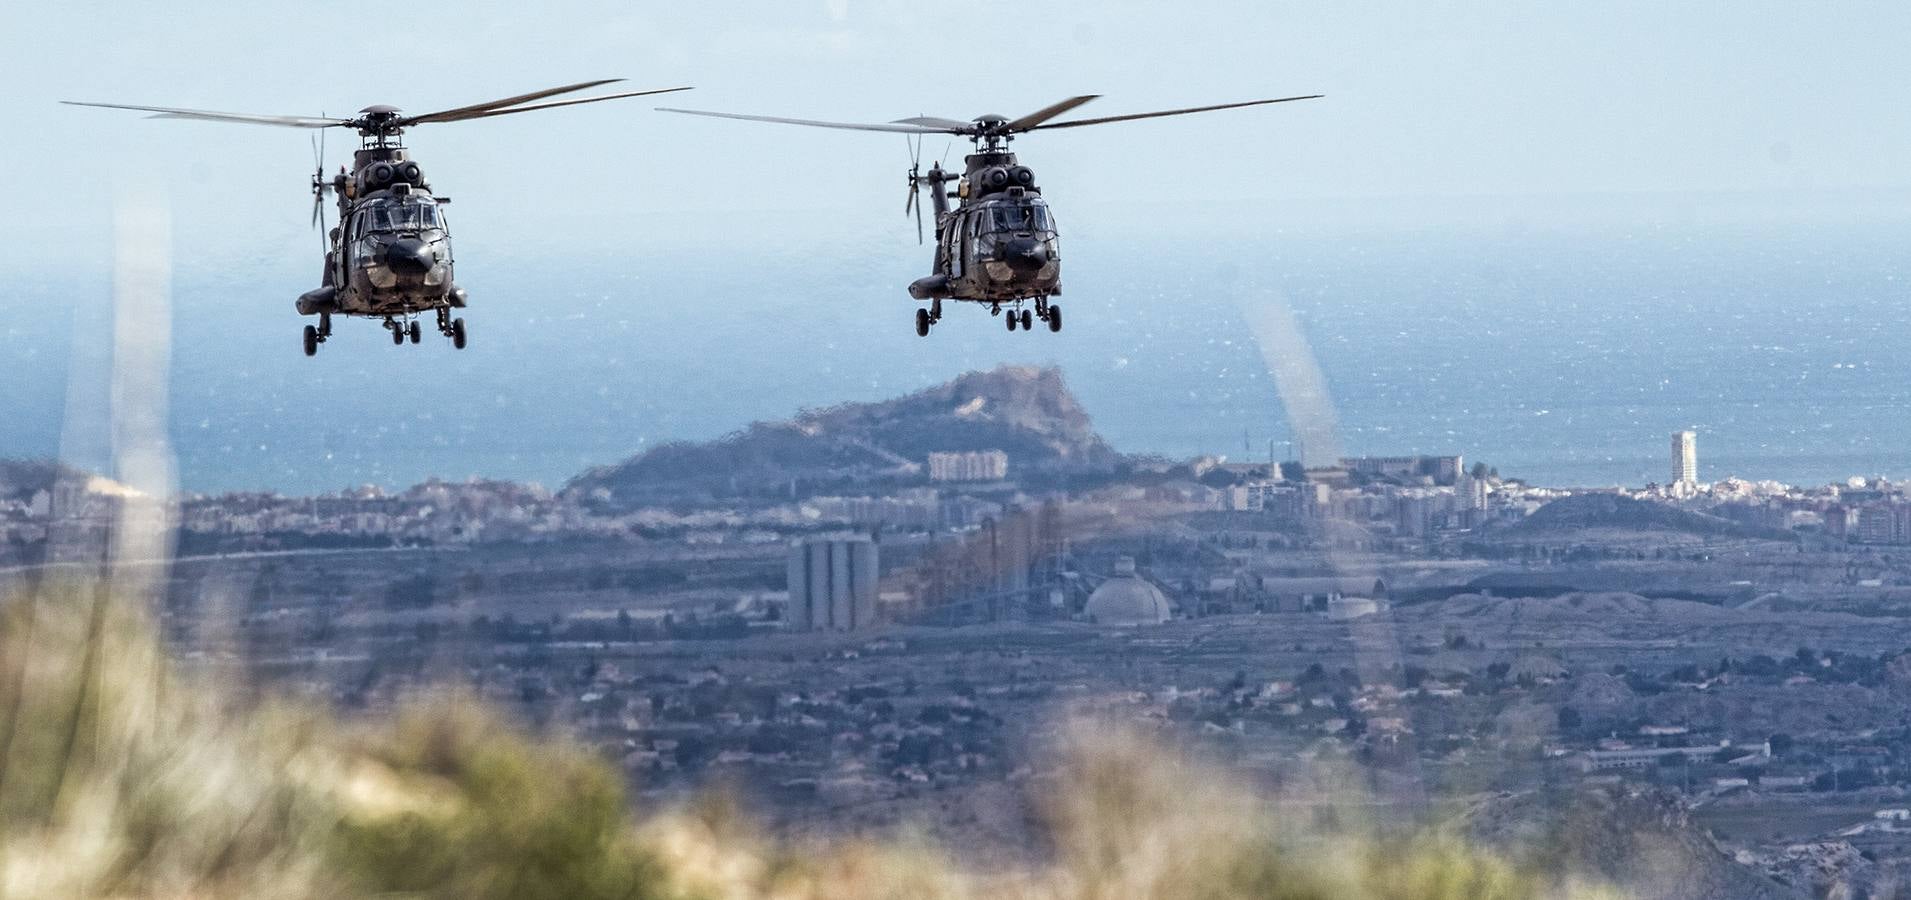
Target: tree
x=1781, y=743
x=1569, y=718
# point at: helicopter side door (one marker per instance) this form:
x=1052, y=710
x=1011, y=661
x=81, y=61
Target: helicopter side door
x=965, y=244
x=951, y=245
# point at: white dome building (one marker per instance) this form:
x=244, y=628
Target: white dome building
x=1127, y=599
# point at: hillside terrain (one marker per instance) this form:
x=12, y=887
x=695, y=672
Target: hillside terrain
x=1583, y=512
x=1026, y=412
x=1641, y=841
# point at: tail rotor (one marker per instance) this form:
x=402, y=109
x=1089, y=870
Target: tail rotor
x=915, y=184
x=319, y=185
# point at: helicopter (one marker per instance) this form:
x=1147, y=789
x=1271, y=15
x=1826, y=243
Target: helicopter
x=999, y=244
x=389, y=257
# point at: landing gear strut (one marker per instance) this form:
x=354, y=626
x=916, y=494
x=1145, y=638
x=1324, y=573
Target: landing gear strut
x=316, y=336
x=451, y=328
x=928, y=317
x=1048, y=312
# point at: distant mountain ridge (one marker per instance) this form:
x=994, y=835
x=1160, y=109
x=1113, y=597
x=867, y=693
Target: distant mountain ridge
x=1025, y=411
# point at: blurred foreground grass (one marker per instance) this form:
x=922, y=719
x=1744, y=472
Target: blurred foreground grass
x=121, y=778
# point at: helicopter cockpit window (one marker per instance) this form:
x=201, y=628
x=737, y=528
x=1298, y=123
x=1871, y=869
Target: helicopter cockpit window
x=1030, y=217
x=411, y=215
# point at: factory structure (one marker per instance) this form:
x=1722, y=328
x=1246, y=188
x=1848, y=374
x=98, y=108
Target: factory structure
x=1127, y=599
x=833, y=583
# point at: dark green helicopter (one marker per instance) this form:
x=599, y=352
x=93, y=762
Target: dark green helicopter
x=390, y=257
x=998, y=245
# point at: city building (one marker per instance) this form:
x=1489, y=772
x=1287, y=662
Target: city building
x=973, y=465
x=1642, y=757
x=832, y=584
x=1318, y=594
x=1685, y=460
x=1441, y=469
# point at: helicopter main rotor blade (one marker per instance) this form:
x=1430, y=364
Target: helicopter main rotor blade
x=554, y=104
x=1048, y=112
x=1170, y=112
x=937, y=122
x=897, y=127
x=168, y=112
x=448, y=115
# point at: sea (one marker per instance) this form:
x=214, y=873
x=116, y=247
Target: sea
x=1561, y=355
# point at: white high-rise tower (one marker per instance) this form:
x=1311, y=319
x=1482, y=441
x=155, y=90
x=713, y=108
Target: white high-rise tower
x=1685, y=458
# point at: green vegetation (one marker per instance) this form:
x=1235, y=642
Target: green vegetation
x=120, y=777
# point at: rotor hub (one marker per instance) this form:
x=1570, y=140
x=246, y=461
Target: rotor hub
x=991, y=132
x=379, y=121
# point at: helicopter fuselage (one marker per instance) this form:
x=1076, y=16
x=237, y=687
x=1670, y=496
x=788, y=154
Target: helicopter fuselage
x=999, y=244
x=390, y=255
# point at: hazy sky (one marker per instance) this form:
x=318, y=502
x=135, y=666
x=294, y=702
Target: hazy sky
x=639, y=276
x=1426, y=101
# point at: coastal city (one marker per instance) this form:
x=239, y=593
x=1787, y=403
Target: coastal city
x=874, y=622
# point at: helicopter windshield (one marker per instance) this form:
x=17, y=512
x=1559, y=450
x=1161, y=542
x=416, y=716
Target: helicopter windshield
x=1019, y=217
x=415, y=214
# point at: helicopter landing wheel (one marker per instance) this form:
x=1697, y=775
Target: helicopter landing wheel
x=397, y=331
x=1055, y=317
x=311, y=341
x=1028, y=321
x=922, y=323
x=1014, y=320
x=414, y=332
x=457, y=333
x=995, y=309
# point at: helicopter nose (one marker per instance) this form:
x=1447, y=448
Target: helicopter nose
x=409, y=256
x=1025, y=256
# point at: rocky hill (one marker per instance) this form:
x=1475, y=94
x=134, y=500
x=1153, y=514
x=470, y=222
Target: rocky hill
x=1024, y=411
